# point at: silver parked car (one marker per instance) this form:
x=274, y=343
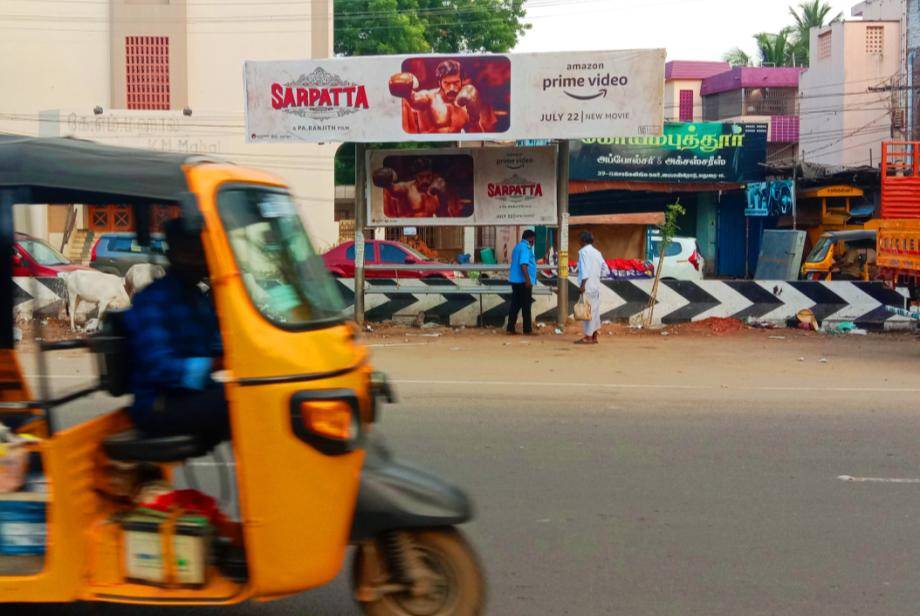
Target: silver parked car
x=115, y=253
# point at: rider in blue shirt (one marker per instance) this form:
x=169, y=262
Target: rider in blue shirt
x=174, y=340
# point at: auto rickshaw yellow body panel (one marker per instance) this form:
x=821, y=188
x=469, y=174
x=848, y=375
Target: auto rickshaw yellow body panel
x=297, y=503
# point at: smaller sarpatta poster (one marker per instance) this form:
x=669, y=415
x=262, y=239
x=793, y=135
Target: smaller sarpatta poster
x=462, y=187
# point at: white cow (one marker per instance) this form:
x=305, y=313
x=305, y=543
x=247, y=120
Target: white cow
x=140, y=275
x=104, y=290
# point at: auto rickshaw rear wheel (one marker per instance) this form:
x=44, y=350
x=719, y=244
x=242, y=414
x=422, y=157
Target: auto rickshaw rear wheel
x=448, y=579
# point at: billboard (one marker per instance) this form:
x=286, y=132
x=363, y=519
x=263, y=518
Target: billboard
x=772, y=198
x=455, y=97
x=461, y=187
x=702, y=152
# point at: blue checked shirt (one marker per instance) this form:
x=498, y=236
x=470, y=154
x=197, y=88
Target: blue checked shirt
x=172, y=336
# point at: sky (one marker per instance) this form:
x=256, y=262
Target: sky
x=688, y=29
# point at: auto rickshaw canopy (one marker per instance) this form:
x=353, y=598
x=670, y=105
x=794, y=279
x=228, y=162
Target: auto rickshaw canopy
x=63, y=169
x=41, y=170
x=852, y=236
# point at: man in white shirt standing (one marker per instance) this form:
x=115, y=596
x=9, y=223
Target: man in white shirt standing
x=591, y=268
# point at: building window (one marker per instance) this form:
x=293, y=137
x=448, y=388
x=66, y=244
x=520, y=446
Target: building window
x=875, y=40
x=770, y=101
x=147, y=72
x=824, y=45
x=722, y=105
x=784, y=129
x=686, y=105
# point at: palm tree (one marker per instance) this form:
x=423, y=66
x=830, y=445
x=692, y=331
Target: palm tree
x=811, y=14
x=737, y=57
x=776, y=49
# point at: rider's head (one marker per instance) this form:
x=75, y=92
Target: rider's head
x=185, y=252
x=449, y=79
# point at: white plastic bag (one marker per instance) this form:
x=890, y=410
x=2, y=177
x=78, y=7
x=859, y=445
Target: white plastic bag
x=582, y=310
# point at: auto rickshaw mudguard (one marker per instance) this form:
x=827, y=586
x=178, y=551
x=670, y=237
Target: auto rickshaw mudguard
x=394, y=495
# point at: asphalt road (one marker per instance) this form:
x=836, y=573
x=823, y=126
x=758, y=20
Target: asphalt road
x=661, y=476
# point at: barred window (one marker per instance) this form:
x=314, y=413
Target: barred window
x=147, y=72
x=875, y=40
x=686, y=105
x=824, y=45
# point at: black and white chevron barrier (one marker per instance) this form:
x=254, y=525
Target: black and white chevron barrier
x=41, y=296
x=471, y=303
x=485, y=302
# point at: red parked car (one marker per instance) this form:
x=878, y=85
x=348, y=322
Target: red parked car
x=340, y=261
x=33, y=257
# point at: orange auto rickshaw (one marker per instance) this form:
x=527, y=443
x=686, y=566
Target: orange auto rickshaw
x=311, y=474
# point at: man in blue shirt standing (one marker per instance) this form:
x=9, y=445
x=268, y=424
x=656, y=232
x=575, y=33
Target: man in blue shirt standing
x=174, y=340
x=523, y=276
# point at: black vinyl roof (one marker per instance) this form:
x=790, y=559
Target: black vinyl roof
x=853, y=235
x=60, y=166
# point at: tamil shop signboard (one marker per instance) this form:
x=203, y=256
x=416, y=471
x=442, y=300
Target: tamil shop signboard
x=455, y=98
x=701, y=152
x=462, y=186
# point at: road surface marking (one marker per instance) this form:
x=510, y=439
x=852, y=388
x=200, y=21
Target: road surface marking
x=874, y=390
x=847, y=478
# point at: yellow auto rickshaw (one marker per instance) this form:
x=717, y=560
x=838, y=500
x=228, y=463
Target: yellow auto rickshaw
x=842, y=255
x=312, y=477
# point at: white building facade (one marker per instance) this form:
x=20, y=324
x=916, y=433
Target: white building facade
x=161, y=74
x=852, y=93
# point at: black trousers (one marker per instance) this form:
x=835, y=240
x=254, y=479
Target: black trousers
x=521, y=298
x=182, y=411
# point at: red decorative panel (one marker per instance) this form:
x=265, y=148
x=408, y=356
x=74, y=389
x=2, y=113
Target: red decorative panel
x=147, y=72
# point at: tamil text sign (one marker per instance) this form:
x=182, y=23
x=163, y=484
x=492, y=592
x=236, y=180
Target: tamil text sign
x=451, y=98
x=456, y=186
x=703, y=152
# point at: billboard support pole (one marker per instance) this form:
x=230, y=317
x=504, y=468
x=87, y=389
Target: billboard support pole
x=562, y=241
x=360, y=221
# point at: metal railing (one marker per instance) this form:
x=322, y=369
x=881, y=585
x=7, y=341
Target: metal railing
x=440, y=289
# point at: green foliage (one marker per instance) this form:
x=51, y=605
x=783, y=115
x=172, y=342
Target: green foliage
x=473, y=25
x=737, y=57
x=811, y=14
x=789, y=46
x=379, y=27
x=670, y=227
x=776, y=49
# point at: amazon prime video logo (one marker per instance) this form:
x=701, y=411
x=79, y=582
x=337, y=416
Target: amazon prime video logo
x=585, y=82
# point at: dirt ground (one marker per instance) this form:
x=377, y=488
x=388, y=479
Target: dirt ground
x=713, y=355
x=718, y=353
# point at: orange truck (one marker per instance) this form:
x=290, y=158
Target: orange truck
x=898, y=247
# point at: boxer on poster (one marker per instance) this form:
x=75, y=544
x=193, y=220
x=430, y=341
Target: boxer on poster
x=426, y=195
x=455, y=106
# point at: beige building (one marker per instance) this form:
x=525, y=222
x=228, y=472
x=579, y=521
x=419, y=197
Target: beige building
x=850, y=97
x=683, y=80
x=161, y=74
